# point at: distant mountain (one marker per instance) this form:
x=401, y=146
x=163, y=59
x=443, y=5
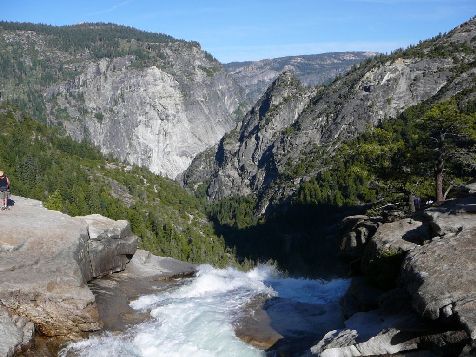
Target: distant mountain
x=256, y=76
x=283, y=138
x=145, y=98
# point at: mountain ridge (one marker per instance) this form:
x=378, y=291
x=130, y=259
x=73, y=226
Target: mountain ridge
x=145, y=98
x=312, y=70
x=376, y=90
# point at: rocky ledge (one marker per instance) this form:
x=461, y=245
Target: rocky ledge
x=418, y=290
x=46, y=260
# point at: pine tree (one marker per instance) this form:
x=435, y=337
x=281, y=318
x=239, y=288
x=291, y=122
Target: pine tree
x=449, y=134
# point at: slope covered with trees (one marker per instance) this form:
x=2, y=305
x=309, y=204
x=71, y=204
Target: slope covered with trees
x=283, y=140
x=427, y=150
x=45, y=164
x=385, y=164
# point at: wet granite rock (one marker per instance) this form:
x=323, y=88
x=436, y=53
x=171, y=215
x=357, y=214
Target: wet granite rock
x=145, y=265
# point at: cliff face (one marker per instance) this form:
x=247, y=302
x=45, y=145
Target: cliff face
x=145, y=98
x=316, y=121
x=256, y=76
x=242, y=163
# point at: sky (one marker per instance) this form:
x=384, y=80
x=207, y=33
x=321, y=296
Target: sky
x=256, y=29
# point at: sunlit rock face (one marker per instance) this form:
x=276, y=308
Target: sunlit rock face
x=147, y=116
x=148, y=99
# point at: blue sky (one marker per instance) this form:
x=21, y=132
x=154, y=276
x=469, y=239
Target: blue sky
x=250, y=30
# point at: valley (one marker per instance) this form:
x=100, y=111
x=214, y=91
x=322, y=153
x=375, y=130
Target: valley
x=165, y=203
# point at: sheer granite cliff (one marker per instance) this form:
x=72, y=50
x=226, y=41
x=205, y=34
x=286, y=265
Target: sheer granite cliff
x=145, y=98
x=242, y=162
x=311, y=123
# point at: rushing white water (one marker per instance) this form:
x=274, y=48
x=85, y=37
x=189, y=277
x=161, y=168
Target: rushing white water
x=196, y=318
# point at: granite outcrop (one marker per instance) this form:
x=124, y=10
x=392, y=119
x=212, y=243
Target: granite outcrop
x=46, y=260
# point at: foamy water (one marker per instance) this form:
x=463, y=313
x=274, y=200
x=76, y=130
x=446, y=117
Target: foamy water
x=196, y=318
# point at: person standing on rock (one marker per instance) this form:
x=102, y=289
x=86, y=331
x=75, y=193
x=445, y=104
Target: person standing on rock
x=411, y=202
x=417, y=203
x=4, y=189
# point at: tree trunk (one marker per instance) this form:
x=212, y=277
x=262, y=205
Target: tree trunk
x=439, y=178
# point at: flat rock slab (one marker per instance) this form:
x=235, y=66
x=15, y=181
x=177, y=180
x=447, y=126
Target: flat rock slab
x=399, y=237
x=146, y=265
x=453, y=216
x=254, y=326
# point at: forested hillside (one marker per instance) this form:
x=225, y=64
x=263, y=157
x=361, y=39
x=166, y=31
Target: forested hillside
x=46, y=164
x=303, y=158
x=384, y=165
x=286, y=138
x=46, y=55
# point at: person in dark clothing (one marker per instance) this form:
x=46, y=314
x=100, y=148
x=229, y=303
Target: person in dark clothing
x=4, y=190
x=417, y=202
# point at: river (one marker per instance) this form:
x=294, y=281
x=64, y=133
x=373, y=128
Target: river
x=199, y=316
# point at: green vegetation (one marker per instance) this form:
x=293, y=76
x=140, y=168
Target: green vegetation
x=448, y=135
x=98, y=39
x=399, y=157
x=99, y=116
x=234, y=211
x=76, y=179
x=382, y=165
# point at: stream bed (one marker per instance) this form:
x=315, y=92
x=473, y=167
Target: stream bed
x=218, y=312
